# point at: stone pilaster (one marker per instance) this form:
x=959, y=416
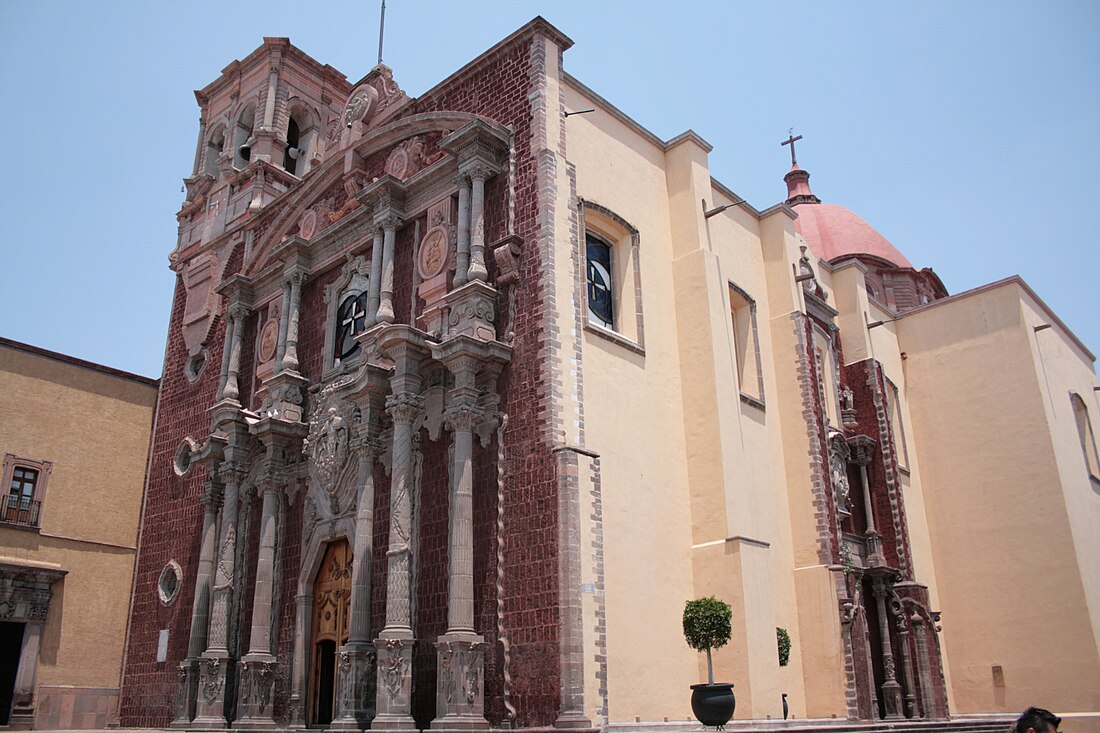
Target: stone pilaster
x=231, y=390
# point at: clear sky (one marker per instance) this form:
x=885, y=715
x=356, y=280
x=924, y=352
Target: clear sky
x=962, y=131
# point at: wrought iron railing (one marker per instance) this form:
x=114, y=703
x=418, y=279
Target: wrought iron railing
x=19, y=510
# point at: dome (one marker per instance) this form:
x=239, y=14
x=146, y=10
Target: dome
x=832, y=231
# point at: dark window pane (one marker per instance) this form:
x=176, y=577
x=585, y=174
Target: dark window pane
x=600, y=299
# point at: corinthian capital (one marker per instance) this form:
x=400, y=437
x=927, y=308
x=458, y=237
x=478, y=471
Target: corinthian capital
x=404, y=408
x=463, y=417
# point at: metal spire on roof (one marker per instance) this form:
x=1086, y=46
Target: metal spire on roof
x=381, y=30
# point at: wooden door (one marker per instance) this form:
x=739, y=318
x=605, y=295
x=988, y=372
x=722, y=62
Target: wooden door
x=331, y=615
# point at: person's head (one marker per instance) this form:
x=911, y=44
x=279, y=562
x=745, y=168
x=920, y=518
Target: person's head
x=1037, y=720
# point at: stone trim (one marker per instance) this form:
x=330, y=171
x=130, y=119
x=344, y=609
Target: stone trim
x=814, y=432
x=600, y=658
x=875, y=380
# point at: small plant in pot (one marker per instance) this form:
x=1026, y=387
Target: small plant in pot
x=706, y=627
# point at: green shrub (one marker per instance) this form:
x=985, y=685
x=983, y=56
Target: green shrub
x=784, y=640
x=707, y=626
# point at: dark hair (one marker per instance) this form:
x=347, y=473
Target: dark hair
x=1039, y=719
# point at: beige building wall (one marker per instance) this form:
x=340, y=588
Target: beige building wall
x=1011, y=551
x=92, y=424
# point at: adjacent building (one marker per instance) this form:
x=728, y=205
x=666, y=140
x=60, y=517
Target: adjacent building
x=465, y=397
x=75, y=437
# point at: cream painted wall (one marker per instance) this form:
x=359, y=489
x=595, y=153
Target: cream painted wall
x=633, y=420
x=94, y=428
x=1010, y=584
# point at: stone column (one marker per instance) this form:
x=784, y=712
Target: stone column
x=463, y=266
x=385, y=303
x=356, y=691
x=232, y=391
x=460, y=682
x=284, y=318
x=227, y=353
x=290, y=351
x=257, y=668
x=875, y=558
x=188, y=673
x=477, y=269
x=395, y=642
x=214, y=669
x=911, y=709
x=374, y=287
x=298, y=684
x=891, y=690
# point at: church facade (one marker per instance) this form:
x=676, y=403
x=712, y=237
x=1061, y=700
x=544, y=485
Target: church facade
x=464, y=397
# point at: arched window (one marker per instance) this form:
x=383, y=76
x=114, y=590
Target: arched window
x=300, y=134
x=242, y=136
x=1084, y=431
x=347, y=298
x=215, y=145
x=612, y=305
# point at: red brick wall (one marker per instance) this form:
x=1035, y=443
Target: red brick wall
x=498, y=91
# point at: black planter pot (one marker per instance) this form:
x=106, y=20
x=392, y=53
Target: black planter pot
x=713, y=704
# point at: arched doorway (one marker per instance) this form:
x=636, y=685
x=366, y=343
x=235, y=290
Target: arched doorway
x=331, y=613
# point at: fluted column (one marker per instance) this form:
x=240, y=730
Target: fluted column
x=385, y=299
x=290, y=352
x=463, y=260
x=477, y=225
x=355, y=697
x=374, y=287
x=395, y=642
x=891, y=690
x=200, y=607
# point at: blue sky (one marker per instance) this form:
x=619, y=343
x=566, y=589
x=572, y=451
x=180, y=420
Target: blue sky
x=964, y=132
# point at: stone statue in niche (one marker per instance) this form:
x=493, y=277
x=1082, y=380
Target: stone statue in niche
x=839, y=475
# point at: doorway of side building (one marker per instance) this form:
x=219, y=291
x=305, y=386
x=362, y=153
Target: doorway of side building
x=331, y=614
x=11, y=647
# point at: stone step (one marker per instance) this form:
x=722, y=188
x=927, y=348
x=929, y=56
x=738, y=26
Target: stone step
x=962, y=725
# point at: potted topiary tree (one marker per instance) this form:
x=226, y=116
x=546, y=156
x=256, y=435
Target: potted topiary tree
x=706, y=627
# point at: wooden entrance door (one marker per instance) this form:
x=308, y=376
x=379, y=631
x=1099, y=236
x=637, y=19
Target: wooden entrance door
x=331, y=615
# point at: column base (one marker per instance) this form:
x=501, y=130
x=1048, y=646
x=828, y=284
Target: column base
x=891, y=697
x=356, y=688
x=214, y=679
x=256, y=702
x=460, y=682
x=394, y=684
x=186, y=693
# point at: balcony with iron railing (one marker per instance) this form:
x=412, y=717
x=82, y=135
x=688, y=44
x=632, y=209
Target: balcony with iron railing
x=20, y=511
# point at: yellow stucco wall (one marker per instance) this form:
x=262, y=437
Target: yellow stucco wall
x=94, y=428
x=1006, y=551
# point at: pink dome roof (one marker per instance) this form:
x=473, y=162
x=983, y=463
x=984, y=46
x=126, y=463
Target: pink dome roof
x=833, y=231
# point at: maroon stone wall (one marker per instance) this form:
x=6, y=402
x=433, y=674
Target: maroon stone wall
x=170, y=531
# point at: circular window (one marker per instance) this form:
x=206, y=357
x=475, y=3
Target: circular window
x=195, y=365
x=182, y=464
x=169, y=583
